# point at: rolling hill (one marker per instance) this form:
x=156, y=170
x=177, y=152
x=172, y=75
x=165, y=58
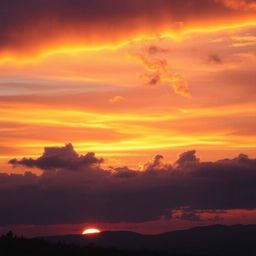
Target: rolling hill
x=210, y=240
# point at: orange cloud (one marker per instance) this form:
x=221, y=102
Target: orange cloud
x=159, y=70
x=117, y=99
x=27, y=29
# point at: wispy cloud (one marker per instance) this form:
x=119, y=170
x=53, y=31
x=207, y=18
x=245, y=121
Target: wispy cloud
x=159, y=72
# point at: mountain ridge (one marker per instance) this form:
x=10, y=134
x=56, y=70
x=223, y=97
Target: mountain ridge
x=206, y=240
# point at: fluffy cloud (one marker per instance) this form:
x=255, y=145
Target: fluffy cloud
x=125, y=195
x=157, y=164
x=60, y=157
x=187, y=158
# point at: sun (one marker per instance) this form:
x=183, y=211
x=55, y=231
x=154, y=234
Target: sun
x=91, y=231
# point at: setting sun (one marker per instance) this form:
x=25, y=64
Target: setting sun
x=91, y=231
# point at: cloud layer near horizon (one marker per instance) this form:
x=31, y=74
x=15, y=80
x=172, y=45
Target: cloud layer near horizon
x=28, y=26
x=85, y=192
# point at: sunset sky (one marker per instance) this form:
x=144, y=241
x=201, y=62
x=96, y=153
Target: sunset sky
x=138, y=83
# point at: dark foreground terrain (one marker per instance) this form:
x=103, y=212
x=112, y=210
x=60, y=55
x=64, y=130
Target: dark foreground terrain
x=238, y=240
x=11, y=245
x=215, y=240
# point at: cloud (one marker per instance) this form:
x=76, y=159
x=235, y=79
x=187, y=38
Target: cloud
x=214, y=59
x=94, y=194
x=187, y=158
x=246, y=5
x=158, y=70
x=60, y=157
x=157, y=164
x=27, y=27
x=188, y=214
x=153, y=50
x=116, y=99
x=124, y=172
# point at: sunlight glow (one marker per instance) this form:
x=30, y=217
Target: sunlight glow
x=91, y=231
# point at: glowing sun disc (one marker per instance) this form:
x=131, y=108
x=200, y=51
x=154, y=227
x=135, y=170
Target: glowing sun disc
x=91, y=231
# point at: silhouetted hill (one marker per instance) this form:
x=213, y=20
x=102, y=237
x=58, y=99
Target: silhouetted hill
x=11, y=245
x=211, y=240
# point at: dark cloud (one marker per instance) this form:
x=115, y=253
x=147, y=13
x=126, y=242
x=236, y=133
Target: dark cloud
x=30, y=25
x=187, y=158
x=186, y=213
x=60, y=157
x=214, y=59
x=124, y=172
x=94, y=194
x=157, y=164
x=190, y=216
x=153, y=49
x=154, y=79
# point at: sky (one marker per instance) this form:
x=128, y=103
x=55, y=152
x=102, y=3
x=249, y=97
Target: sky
x=135, y=115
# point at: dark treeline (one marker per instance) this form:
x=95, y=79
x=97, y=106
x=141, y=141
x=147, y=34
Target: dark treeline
x=12, y=245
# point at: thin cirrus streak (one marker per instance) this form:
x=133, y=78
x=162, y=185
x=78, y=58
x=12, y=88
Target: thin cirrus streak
x=126, y=132
x=99, y=65
x=75, y=47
